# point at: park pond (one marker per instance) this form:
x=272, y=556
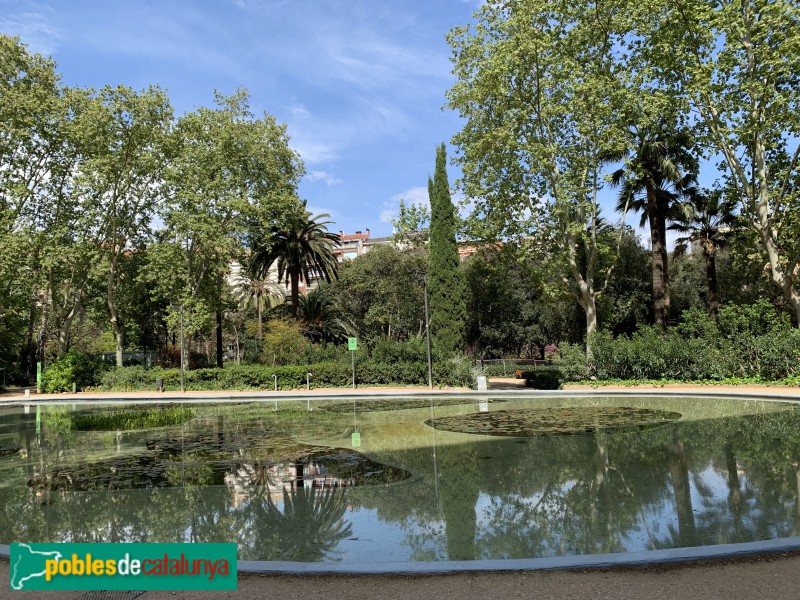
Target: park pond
x=405, y=479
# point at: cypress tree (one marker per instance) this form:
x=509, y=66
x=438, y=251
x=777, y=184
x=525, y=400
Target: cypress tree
x=445, y=280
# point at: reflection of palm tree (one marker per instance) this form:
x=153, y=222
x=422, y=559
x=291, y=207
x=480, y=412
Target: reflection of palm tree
x=310, y=527
x=679, y=468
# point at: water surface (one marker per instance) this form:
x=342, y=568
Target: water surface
x=433, y=479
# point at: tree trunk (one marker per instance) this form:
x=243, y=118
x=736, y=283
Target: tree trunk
x=657, y=252
x=219, y=339
x=29, y=352
x=662, y=231
x=783, y=278
x=260, y=305
x=711, y=278
x=295, y=282
x=116, y=324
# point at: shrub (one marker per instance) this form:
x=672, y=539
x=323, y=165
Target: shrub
x=454, y=372
x=750, y=320
x=284, y=342
x=570, y=359
x=73, y=368
x=544, y=378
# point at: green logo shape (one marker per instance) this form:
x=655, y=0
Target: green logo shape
x=352, y=343
x=355, y=439
x=122, y=566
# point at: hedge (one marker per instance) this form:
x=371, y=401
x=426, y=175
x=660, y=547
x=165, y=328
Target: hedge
x=453, y=372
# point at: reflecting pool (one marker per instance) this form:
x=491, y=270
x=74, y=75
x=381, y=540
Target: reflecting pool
x=405, y=479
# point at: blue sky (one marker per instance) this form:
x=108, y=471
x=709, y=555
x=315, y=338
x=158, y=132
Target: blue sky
x=360, y=83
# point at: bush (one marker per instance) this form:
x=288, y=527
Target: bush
x=570, y=359
x=454, y=372
x=284, y=342
x=77, y=368
x=544, y=378
x=751, y=342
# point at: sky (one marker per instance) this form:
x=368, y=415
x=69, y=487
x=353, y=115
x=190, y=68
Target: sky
x=360, y=84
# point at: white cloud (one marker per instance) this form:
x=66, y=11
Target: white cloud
x=414, y=195
x=33, y=29
x=324, y=177
x=312, y=151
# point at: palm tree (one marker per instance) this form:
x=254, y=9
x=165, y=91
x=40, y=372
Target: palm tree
x=321, y=317
x=705, y=217
x=249, y=289
x=656, y=175
x=302, y=247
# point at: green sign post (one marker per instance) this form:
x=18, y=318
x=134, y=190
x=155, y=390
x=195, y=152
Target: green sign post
x=39, y=377
x=352, y=345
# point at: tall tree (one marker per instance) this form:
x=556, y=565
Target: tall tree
x=445, y=279
x=655, y=175
x=541, y=96
x=705, y=218
x=33, y=111
x=120, y=181
x=736, y=65
x=301, y=246
x=227, y=168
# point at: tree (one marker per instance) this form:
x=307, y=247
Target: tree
x=656, y=174
x=321, y=319
x=301, y=246
x=445, y=280
x=34, y=113
x=381, y=292
x=120, y=181
x=542, y=95
x=736, y=66
x=410, y=228
x=260, y=291
x=227, y=168
x=706, y=218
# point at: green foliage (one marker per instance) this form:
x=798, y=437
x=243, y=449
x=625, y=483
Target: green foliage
x=411, y=225
x=284, y=342
x=752, y=343
x=81, y=369
x=411, y=350
x=381, y=293
x=126, y=420
x=570, y=359
x=452, y=372
x=544, y=378
x=445, y=280
x=750, y=320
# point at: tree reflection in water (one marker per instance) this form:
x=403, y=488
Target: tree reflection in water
x=309, y=527
x=701, y=481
